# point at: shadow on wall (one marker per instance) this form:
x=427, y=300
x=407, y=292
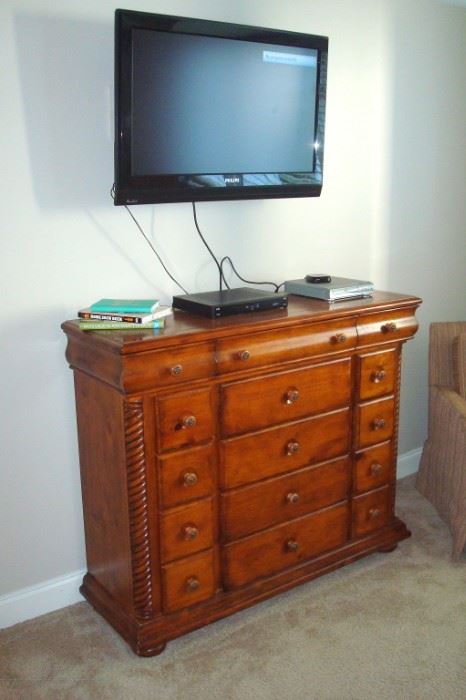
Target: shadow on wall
x=66, y=77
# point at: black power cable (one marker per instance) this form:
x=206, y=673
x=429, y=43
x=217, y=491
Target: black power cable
x=229, y=260
x=220, y=272
x=219, y=265
x=226, y=258
x=112, y=192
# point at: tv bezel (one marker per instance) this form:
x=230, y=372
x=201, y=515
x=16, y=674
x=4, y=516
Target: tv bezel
x=154, y=189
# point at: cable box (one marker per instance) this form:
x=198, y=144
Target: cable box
x=230, y=301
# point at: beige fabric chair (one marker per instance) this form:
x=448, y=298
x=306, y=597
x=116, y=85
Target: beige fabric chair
x=442, y=471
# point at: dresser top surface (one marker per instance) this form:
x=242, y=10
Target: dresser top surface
x=184, y=327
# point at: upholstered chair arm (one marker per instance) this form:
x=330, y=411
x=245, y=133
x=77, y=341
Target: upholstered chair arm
x=459, y=363
x=442, y=473
x=441, y=338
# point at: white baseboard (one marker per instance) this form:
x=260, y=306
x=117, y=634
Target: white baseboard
x=408, y=463
x=40, y=599
x=62, y=591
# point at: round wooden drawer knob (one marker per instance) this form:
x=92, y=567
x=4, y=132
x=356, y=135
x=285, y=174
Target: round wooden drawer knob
x=292, y=546
x=378, y=376
x=291, y=396
x=190, y=532
x=375, y=469
x=292, y=497
x=378, y=423
x=292, y=448
x=244, y=355
x=192, y=584
x=339, y=338
x=176, y=370
x=389, y=327
x=375, y=513
x=190, y=479
x=188, y=421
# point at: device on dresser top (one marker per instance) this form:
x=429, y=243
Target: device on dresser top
x=318, y=278
x=335, y=289
x=227, y=302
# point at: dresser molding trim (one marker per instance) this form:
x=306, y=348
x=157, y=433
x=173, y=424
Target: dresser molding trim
x=138, y=509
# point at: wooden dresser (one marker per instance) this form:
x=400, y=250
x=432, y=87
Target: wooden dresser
x=225, y=461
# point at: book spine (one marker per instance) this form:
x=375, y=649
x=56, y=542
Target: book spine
x=117, y=325
x=124, y=306
x=126, y=318
x=124, y=309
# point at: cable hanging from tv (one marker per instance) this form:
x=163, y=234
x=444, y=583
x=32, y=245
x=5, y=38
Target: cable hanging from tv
x=112, y=192
x=220, y=265
x=226, y=258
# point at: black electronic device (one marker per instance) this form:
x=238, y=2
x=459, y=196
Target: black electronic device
x=317, y=278
x=210, y=110
x=227, y=302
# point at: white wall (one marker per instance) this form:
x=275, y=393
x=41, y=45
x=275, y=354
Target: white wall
x=392, y=209
x=426, y=199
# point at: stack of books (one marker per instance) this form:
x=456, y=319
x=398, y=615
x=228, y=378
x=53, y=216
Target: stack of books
x=123, y=314
x=338, y=289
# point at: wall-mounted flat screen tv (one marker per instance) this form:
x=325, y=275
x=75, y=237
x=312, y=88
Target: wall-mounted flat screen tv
x=215, y=111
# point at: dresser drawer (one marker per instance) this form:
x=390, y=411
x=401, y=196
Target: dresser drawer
x=186, y=530
x=375, y=422
x=371, y=511
x=188, y=581
x=186, y=476
x=377, y=374
x=260, y=506
x=287, y=448
x=286, y=545
x=284, y=397
x=373, y=467
x=386, y=326
x=184, y=419
x=169, y=367
x=259, y=349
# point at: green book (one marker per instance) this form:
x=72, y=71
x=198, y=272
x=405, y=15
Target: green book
x=124, y=306
x=119, y=325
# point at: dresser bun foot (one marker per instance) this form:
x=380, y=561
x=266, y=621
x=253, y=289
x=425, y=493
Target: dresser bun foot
x=152, y=651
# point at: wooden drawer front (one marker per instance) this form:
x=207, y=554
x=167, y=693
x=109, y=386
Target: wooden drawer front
x=386, y=326
x=259, y=349
x=254, y=508
x=169, y=367
x=377, y=374
x=375, y=421
x=188, y=581
x=281, y=398
x=373, y=468
x=186, y=530
x=186, y=475
x=371, y=511
x=185, y=419
x=285, y=449
x=284, y=546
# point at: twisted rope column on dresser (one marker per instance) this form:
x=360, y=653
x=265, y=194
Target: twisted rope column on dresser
x=138, y=509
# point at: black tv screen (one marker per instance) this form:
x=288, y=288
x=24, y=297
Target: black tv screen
x=208, y=110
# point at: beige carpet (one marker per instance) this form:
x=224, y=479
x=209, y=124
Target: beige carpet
x=390, y=626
